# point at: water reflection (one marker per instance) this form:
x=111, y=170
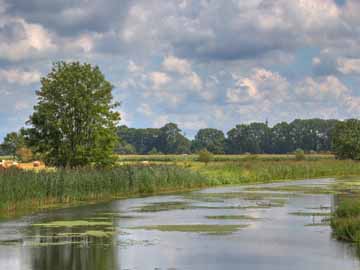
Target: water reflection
x=73, y=253
x=285, y=231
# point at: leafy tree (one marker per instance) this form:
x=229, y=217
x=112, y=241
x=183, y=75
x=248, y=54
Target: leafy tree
x=171, y=141
x=74, y=122
x=143, y=140
x=153, y=151
x=254, y=138
x=346, y=139
x=205, y=156
x=13, y=141
x=211, y=139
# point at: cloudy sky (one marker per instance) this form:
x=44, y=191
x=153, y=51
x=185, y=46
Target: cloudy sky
x=199, y=63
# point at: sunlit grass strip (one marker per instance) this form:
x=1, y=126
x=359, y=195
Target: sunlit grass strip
x=243, y=157
x=258, y=171
x=34, y=190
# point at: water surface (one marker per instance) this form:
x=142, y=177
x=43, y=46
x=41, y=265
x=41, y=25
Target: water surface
x=218, y=228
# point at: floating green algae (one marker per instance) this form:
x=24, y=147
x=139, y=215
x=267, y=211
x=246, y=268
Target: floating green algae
x=294, y=188
x=239, y=217
x=164, y=206
x=195, y=228
x=310, y=214
x=73, y=223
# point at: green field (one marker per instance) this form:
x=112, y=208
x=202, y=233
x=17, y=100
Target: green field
x=216, y=158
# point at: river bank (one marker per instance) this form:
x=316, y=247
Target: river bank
x=23, y=192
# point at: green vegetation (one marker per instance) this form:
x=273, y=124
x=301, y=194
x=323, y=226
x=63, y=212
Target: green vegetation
x=73, y=223
x=77, y=125
x=218, y=158
x=30, y=190
x=258, y=171
x=346, y=139
x=205, y=156
x=299, y=154
x=311, y=214
x=164, y=206
x=230, y=217
x=346, y=220
x=311, y=135
x=195, y=228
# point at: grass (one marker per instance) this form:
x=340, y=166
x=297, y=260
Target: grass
x=346, y=220
x=218, y=158
x=22, y=192
x=30, y=190
x=258, y=171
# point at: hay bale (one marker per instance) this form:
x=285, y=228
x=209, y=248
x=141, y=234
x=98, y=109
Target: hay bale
x=36, y=164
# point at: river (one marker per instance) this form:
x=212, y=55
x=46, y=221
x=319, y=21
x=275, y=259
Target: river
x=278, y=226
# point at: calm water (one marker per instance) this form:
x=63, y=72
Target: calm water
x=123, y=235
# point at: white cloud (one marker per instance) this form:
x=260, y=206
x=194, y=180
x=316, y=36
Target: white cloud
x=325, y=89
x=349, y=66
x=31, y=40
x=262, y=84
x=145, y=109
x=21, y=77
x=132, y=67
x=159, y=79
x=174, y=64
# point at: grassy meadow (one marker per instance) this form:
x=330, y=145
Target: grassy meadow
x=26, y=191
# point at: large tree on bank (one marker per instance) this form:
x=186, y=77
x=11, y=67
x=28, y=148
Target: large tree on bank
x=74, y=122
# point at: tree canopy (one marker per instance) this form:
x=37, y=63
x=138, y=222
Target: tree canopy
x=346, y=139
x=210, y=139
x=74, y=122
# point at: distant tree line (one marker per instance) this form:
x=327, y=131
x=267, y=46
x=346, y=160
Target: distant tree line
x=257, y=138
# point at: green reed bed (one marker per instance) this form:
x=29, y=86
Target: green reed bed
x=345, y=222
x=258, y=171
x=33, y=190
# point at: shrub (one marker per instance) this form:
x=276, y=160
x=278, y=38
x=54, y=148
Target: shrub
x=205, y=156
x=299, y=154
x=24, y=154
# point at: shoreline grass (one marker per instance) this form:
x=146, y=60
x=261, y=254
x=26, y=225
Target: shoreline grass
x=24, y=192
x=345, y=221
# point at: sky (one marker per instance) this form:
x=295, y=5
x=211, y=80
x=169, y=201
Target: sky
x=198, y=63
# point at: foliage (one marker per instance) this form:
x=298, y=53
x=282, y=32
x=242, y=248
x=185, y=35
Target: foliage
x=205, y=156
x=346, y=139
x=13, y=141
x=35, y=189
x=345, y=221
x=73, y=123
x=167, y=139
x=264, y=171
x=24, y=154
x=254, y=138
x=211, y=139
x=299, y=154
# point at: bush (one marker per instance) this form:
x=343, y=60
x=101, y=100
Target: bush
x=299, y=154
x=205, y=156
x=24, y=154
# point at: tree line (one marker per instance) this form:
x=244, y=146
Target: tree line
x=74, y=123
x=256, y=138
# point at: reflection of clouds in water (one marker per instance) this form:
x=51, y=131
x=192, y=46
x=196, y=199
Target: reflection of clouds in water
x=275, y=234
